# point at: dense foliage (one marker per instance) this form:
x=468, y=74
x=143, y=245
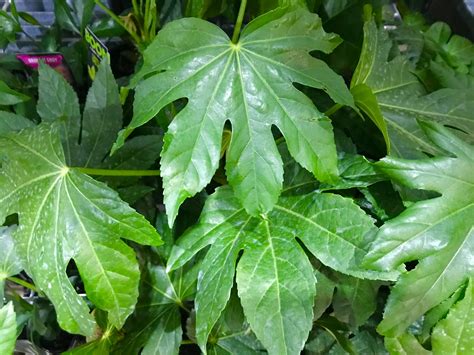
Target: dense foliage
x=315, y=191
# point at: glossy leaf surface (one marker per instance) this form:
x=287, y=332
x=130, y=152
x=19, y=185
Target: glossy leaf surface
x=436, y=232
x=402, y=99
x=455, y=333
x=275, y=279
x=66, y=215
x=249, y=84
x=7, y=329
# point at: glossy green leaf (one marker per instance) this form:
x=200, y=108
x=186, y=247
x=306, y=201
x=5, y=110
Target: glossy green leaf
x=355, y=171
x=402, y=98
x=9, y=96
x=66, y=215
x=456, y=51
x=324, y=294
x=102, y=118
x=25, y=16
x=58, y=102
x=250, y=84
x=355, y=299
x=274, y=277
x=405, y=344
x=436, y=232
x=10, y=262
x=366, y=100
x=231, y=334
x=455, y=334
x=434, y=315
x=156, y=324
x=11, y=122
x=7, y=329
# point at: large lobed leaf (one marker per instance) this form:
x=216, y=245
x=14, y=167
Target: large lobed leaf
x=438, y=232
x=65, y=215
x=391, y=89
x=249, y=84
x=275, y=279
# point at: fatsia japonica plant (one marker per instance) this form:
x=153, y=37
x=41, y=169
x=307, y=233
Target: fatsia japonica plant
x=294, y=210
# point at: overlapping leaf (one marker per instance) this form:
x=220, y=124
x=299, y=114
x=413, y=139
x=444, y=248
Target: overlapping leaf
x=155, y=326
x=66, y=215
x=7, y=329
x=275, y=280
x=86, y=142
x=10, y=262
x=11, y=122
x=439, y=232
x=250, y=85
x=455, y=334
x=402, y=99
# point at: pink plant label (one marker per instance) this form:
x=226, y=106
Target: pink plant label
x=32, y=60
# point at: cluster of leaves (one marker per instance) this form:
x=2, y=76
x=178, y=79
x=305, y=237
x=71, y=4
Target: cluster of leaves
x=281, y=234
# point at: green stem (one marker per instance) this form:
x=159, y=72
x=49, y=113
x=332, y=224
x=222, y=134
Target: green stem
x=332, y=110
x=112, y=172
x=117, y=20
x=23, y=283
x=187, y=342
x=238, y=23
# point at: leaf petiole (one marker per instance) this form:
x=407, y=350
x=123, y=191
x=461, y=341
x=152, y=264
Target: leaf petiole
x=23, y=283
x=333, y=109
x=238, y=23
x=112, y=172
